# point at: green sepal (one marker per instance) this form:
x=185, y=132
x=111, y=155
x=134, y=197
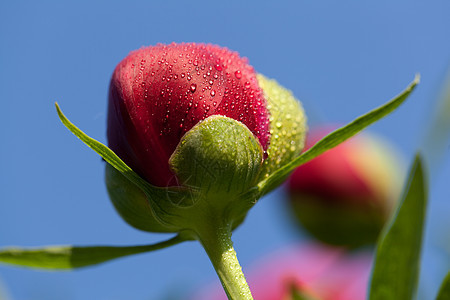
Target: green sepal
x=335, y=138
x=131, y=202
x=219, y=157
x=444, y=290
x=397, y=260
x=287, y=126
x=163, y=202
x=72, y=257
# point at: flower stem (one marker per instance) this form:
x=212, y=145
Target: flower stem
x=216, y=241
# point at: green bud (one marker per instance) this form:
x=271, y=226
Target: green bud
x=220, y=157
x=287, y=126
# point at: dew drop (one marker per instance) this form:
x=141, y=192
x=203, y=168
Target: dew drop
x=278, y=124
x=247, y=85
x=213, y=93
x=218, y=67
x=193, y=87
x=238, y=74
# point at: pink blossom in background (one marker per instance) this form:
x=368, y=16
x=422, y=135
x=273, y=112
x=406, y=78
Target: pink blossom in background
x=319, y=271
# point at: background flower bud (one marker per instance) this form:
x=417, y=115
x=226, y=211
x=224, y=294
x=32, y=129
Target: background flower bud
x=159, y=93
x=345, y=196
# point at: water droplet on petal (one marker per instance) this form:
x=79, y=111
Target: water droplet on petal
x=193, y=87
x=238, y=74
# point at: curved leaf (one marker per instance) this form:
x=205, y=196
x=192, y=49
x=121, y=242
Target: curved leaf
x=336, y=137
x=396, y=268
x=106, y=153
x=154, y=194
x=71, y=257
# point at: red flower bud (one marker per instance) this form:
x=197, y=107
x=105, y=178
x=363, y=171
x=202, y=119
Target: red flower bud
x=159, y=93
x=345, y=195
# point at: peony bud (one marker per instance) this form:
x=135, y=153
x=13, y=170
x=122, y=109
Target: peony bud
x=345, y=196
x=198, y=130
x=159, y=93
x=198, y=121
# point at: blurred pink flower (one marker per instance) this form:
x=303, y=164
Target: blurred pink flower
x=318, y=271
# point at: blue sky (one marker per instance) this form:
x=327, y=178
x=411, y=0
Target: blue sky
x=340, y=58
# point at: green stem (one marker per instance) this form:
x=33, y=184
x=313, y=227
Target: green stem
x=216, y=241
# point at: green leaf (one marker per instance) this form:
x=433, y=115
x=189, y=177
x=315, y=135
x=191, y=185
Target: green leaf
x=106, y=153
x=71, y=257
x=444, y=291
x=397, y=258
x=336, y=137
